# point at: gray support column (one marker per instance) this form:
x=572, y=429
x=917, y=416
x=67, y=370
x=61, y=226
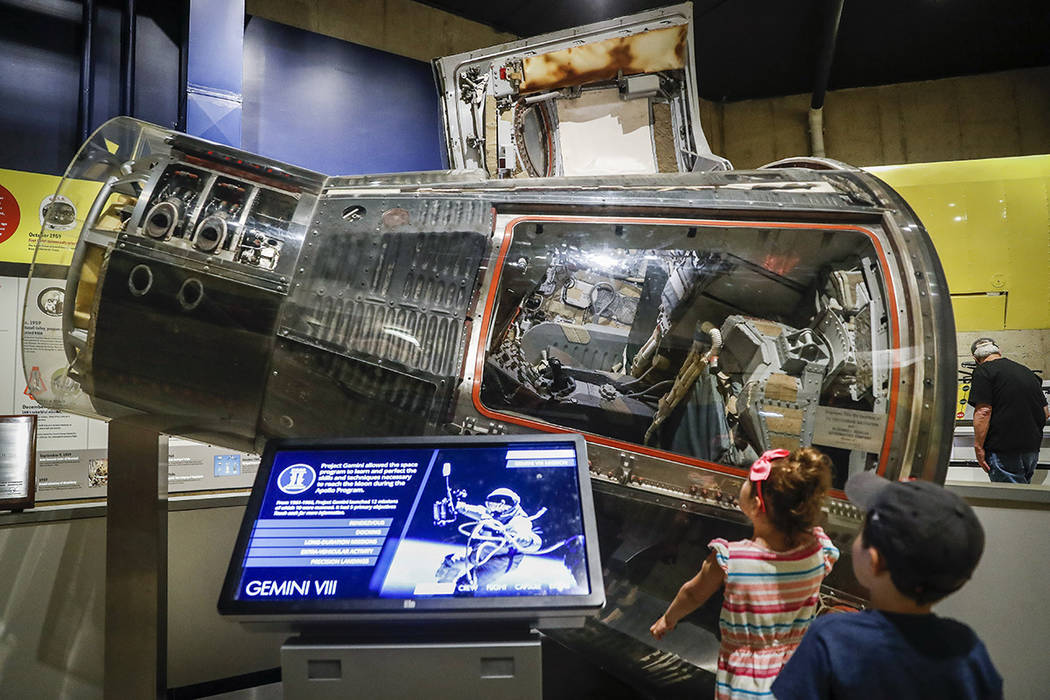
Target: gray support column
x=128, y=34
x=87, y=70
x=136, y=629
x=214, y=67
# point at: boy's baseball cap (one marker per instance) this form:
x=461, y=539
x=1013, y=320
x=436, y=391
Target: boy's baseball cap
x=930, y=537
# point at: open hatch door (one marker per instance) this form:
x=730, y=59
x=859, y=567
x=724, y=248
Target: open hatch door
x=614, y=97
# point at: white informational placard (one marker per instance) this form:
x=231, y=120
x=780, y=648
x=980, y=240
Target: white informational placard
x=849, y=429
x=600, y=134
x=16, y=459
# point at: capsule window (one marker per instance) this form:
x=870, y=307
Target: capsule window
x=711, y=342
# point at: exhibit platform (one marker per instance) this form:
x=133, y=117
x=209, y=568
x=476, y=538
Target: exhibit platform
x=566, y=676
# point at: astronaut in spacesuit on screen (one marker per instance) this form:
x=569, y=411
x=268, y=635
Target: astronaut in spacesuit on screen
x=499, y=534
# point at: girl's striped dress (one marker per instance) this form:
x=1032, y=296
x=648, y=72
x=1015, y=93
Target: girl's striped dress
x=770, y=599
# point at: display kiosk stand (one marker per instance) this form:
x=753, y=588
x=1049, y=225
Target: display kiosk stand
x=493, y=664
x=349, y=544
x=437, y=668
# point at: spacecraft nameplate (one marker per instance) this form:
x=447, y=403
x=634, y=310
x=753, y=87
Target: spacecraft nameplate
x=843, y=427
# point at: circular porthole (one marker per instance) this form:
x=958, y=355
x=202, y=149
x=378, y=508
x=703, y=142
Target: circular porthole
x=191, y=293
x=140, y=280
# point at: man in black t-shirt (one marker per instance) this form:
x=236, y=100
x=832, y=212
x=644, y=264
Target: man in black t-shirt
x=1010, y=411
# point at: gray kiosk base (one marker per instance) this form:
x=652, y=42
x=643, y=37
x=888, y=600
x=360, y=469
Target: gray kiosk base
x=494, y=670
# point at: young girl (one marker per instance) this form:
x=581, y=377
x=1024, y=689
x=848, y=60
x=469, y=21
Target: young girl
x=771, y=581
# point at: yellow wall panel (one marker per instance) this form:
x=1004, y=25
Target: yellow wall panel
x=979, y=312
x=990, y=223
x=22, y=198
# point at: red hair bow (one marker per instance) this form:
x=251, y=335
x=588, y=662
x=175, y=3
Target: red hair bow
x=760, y=471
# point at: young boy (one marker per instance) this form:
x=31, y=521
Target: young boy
x=919, y=543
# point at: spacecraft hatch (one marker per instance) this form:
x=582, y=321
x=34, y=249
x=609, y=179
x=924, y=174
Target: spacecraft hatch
x=613, y=97
x=683, y=323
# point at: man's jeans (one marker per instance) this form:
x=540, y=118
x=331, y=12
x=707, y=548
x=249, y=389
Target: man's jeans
x=1012, y=467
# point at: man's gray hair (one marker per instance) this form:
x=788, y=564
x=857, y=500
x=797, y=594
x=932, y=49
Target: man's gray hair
x=984, y=347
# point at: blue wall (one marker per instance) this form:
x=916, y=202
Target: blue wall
x=336, y=107
x=40, y=76
x=214, y=70
x=311, y=100
x=39, y=80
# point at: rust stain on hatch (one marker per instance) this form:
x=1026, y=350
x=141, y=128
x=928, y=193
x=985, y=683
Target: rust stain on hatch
x=648, y=52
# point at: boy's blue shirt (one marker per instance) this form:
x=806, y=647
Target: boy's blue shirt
x=879, y=655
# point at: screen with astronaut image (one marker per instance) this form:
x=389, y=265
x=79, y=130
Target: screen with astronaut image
x=401, y=521
x=502, y=521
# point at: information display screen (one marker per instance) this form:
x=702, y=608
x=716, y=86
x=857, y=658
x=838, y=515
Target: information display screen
x=419, y=524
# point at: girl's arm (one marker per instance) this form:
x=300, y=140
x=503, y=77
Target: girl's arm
x=691, y=596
